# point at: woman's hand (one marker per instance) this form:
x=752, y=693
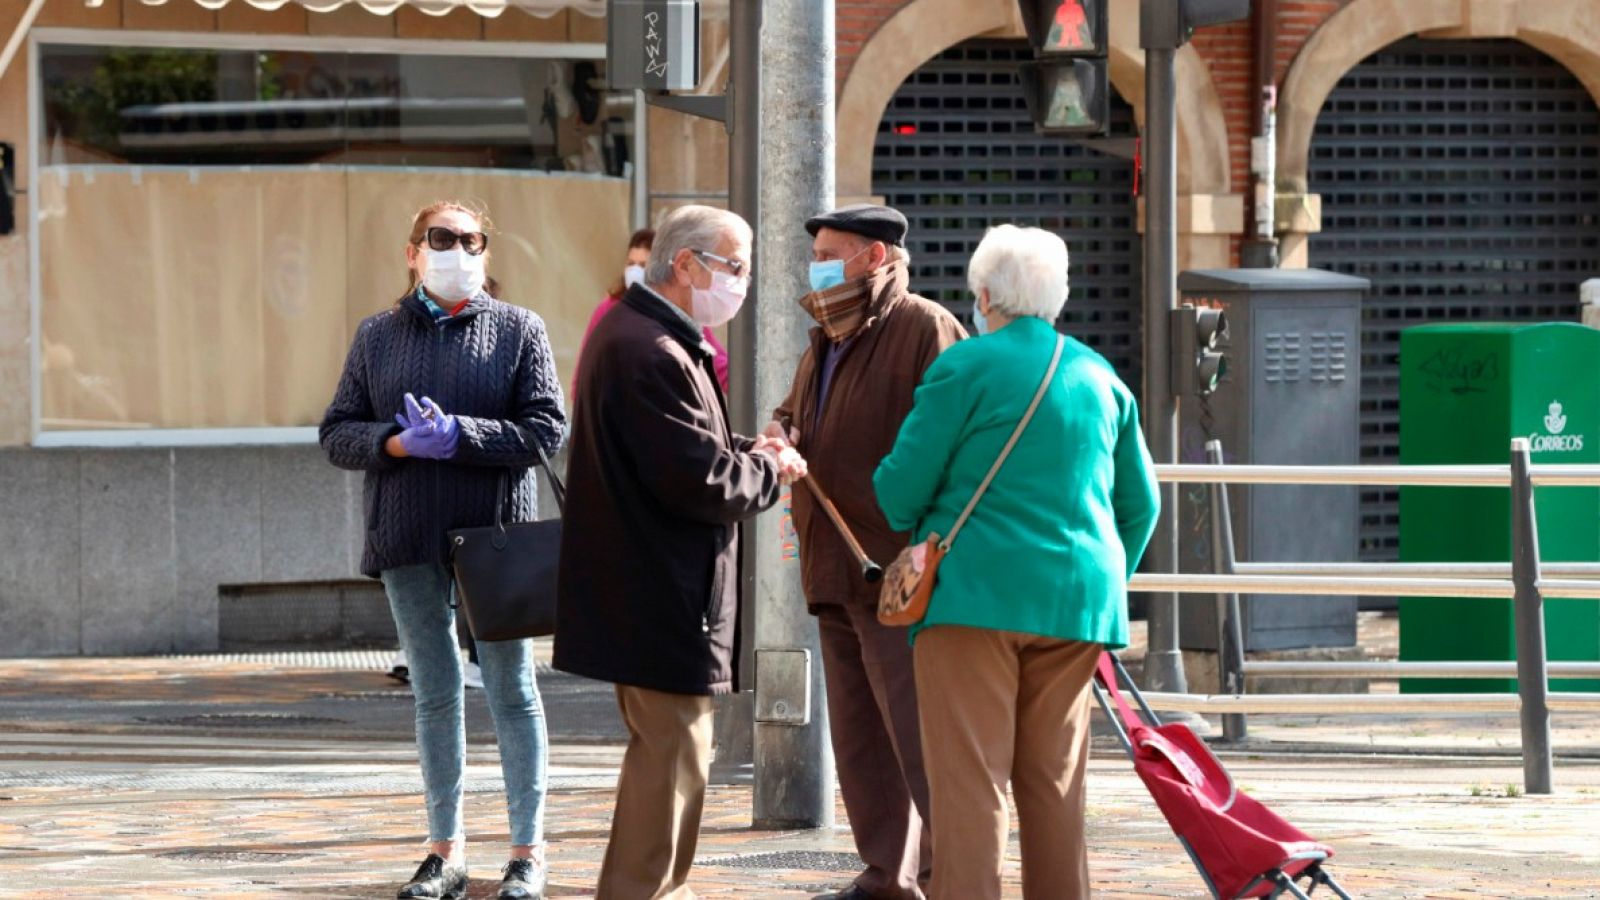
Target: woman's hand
x=429, y=432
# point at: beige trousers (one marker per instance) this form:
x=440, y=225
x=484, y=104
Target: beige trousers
x=1011, y=707
x=660, y=795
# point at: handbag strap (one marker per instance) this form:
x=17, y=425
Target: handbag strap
x=1044, y=385
x=503, y=493
x=556, y=487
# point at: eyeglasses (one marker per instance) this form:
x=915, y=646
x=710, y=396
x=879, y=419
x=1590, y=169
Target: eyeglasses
x=441, y=239
x=735, y=267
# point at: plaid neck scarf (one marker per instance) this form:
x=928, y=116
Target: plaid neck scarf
x=842, y=309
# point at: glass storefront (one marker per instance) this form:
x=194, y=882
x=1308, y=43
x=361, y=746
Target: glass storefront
x=214, y=223
x=159, y=106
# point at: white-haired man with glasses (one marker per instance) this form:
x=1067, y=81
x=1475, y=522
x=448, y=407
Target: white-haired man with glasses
x=657, y=484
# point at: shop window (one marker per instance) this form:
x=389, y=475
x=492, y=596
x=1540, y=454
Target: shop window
x=214, y=223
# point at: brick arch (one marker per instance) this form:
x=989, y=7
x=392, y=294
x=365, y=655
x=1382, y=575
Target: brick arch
x=921, y=29
x=1567, y=30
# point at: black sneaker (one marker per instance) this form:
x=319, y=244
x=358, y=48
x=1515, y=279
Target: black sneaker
x=524, y=880
x=436, y=880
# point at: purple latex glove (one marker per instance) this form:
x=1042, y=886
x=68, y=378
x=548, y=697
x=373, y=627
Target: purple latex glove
x=414, y=416
x=436, y=437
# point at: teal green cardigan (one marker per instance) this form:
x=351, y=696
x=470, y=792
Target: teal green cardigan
x=1051, y=545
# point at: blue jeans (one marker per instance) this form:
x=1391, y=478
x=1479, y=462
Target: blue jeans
x=419, y=597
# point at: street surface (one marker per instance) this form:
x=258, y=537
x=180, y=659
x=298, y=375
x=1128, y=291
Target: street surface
x=294, y=775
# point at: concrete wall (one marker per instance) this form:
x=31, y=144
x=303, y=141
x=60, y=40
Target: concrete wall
x=123, y=551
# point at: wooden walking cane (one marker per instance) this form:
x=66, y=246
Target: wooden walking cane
x=870, y=570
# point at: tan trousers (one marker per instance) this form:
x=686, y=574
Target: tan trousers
x=660, y=795
x=877, y=748
x=1012, y=707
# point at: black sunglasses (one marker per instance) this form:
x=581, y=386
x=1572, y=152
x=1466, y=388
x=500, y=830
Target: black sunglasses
x=441, y=239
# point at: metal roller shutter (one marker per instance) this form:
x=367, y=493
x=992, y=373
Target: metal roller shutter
x=956, y=152
x=1463, y=179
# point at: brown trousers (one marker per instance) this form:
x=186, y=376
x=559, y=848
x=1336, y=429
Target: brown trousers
x=877, y=748
x=1012, y=707
x=660, y=795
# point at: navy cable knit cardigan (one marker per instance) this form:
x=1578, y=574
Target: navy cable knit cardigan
x=491, y=367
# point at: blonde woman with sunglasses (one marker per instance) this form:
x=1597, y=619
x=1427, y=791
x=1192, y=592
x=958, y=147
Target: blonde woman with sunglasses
x=441, y=395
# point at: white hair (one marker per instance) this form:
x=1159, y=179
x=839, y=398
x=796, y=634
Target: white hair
x=1024, y=270
x=690, y=228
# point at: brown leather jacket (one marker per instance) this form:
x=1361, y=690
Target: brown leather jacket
x=871, y=393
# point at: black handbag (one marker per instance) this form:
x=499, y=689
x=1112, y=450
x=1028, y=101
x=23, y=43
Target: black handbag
x=505, y=574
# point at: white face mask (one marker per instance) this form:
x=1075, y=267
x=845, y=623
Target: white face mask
x=719, y=303
x=632, y=275
x=453, y=274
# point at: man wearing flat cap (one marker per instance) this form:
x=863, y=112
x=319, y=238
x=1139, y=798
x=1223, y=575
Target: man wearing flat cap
x=872, y=341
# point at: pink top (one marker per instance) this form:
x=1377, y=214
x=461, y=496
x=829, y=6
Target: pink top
x=721, y=361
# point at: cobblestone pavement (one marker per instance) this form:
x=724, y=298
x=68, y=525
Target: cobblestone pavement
x=241, y=777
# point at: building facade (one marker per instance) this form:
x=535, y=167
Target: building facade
x=210, y=195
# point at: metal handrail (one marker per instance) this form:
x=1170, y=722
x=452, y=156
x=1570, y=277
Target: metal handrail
x=1423, y=570
x=1587, y=475
x=1388, y=669
x=1376, y=476
x=1236, y=704
x=1355, y=586
x=1524, y=581
x=1568, y=589
x=1441, y=476
x=1186, y=583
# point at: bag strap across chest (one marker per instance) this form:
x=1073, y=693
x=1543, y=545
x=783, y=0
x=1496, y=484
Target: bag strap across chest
x=1016, y=435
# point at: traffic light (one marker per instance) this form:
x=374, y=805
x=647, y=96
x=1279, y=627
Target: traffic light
x=1168, y=24
x=1067, y=97
x=1066, y=87
x=1198, y=362
x=1066, y=27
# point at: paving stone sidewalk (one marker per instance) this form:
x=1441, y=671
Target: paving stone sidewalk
x=273, y=777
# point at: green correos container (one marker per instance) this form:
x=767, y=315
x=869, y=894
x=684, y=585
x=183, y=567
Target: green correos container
x=1465, y=392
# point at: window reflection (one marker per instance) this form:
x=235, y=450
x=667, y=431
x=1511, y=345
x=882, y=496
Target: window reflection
x=213, y=223
x=159, y=106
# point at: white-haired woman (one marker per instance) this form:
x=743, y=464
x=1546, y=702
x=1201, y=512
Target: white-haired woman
x=1034, y=586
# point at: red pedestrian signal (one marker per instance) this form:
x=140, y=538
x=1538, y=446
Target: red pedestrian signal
x=1076, y=28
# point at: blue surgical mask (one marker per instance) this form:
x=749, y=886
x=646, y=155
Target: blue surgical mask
x=829, y=274
x=980, y=324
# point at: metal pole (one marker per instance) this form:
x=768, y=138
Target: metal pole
x=641, y=161
x=1532, y=686
x=735, y=723
x=794, y=775
x=1230, y=637
x=1163, y=665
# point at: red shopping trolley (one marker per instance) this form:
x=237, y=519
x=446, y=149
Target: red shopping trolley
x=1241, y=848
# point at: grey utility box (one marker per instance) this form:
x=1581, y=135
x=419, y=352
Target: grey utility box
x=1291, y=396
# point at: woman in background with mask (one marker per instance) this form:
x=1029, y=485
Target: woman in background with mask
x=638, y=255
x=442, y=396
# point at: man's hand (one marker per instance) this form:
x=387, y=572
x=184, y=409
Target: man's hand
x=791, y=465
x=776, y=432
